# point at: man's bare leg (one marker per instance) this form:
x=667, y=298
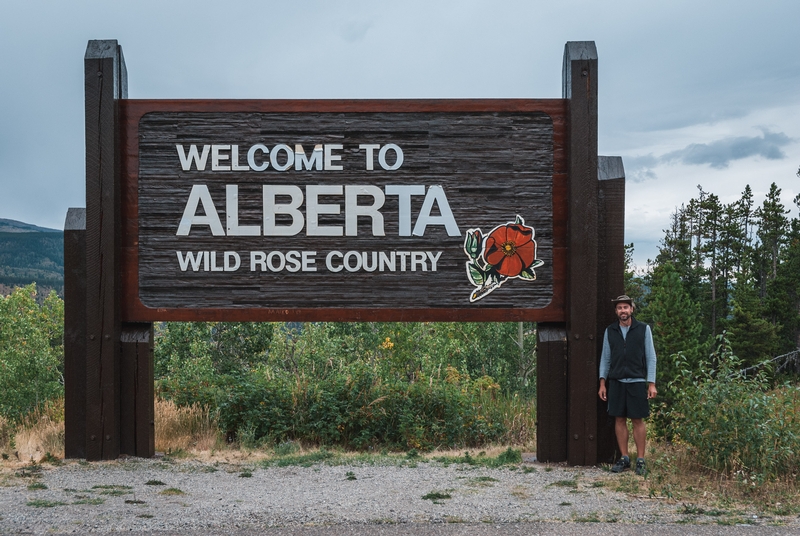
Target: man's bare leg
x=621, y=429
x=639, y=436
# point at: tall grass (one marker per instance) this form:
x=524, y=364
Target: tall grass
x=6, y=433
x=41, y=432
x=189, y=428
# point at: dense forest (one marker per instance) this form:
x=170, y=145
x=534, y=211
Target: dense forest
x=732, y=268
x=27, y=257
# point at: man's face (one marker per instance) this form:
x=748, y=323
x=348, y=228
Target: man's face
x=624, y=311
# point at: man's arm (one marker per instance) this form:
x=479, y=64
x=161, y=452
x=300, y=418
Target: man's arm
x=605, y=364
x=650, y=356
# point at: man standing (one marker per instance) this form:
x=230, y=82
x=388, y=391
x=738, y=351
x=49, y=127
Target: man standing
x=628, y=362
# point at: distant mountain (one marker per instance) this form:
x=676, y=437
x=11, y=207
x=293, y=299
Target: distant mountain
x=13, y=226
x=28, y=254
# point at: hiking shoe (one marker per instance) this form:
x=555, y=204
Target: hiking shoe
x=622, y=464
x=640, y=468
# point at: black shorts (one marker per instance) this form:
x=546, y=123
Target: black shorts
x=628, y=399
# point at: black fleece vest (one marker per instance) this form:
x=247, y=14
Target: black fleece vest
x=627, y=354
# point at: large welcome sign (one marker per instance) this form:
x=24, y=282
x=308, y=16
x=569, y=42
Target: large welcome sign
x=339, y=210
x=344, y=209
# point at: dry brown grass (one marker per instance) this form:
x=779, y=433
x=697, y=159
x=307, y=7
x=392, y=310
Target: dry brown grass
x=675, y=474
x=6, y=430
x=190, y=428
x=41, y=432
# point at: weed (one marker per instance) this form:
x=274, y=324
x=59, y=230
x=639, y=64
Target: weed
x=627, y=484
x=52, y=460
x=548, y=469
x=780, y=509
x=436, y=497
x=115, y=492
x=692, y=509
x=286, y=448
x=154, y=483
x=303, y=460
x=571, y=483
x=591, y=517
x=134, y=501
x=89, y=500
x=113, y=489
x=509, y=456
x=175, y=454
x=172, y=491
x=145, y=516
x=412, y=454
x=350, y=475
x=37, y=485
x=598, y=484
x=565, y=503
x=41, y=503
x=245, y=474
x=528, y=470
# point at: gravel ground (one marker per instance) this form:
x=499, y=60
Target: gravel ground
x=134, y=495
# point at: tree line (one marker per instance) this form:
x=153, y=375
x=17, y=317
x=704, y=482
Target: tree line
x=732, y=268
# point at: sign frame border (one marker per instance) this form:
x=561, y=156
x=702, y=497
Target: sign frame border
x=133, y=310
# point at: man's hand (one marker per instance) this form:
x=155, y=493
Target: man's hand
x=651, y=391
x=602, y=392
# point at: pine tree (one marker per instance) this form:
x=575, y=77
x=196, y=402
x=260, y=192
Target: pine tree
x=674, y=318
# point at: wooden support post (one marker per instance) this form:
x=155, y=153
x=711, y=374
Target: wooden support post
x=75, y=333
x=105, y=80
x=611, y=278
x=137, y=430
x=551, y=393
x=580, y=89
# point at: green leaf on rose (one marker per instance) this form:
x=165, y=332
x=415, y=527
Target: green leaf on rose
x=476, y=275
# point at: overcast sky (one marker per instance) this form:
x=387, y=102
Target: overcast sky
x=691, y=92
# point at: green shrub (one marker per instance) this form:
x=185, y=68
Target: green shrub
x=31, y=351
x=352, y=385
x=737, y=424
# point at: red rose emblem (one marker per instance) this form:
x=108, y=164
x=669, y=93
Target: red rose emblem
x=510, y=249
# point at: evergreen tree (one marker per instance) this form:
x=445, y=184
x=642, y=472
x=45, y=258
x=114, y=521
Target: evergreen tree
x=674, y=318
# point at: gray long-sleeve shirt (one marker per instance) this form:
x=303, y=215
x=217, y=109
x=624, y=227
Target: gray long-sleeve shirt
x=649, y=354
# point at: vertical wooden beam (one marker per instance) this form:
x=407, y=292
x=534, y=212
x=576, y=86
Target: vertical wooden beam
x=610, y=277
x=551, y=393
x=137, y=430
x=105, y=81
x=580, y=89
x=75, y=333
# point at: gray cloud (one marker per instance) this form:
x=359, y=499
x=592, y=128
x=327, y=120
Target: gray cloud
x=717, y=154
x=720, y=153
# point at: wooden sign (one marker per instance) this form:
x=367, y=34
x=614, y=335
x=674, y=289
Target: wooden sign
x=344, y=210
x=339, y=210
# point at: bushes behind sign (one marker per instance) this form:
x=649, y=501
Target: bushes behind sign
x=356, y=385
